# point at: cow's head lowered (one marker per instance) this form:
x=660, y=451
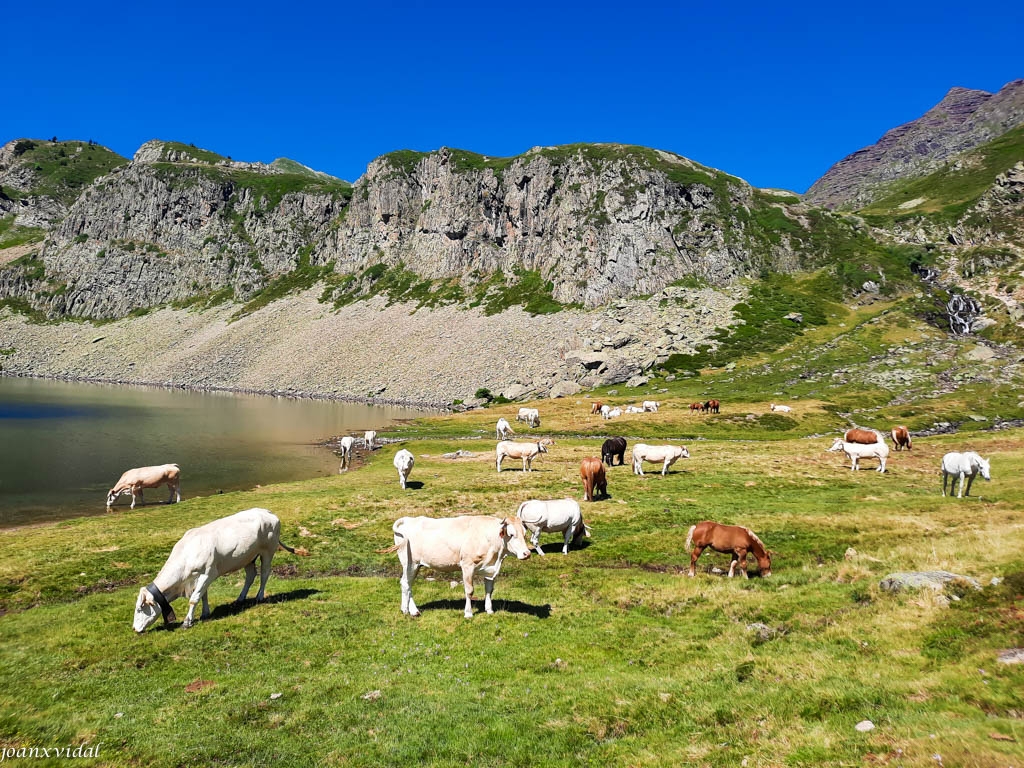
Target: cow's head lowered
x=146, y=611
x=513, y=534
x=113, y=493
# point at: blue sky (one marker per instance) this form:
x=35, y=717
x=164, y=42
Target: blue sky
x=774, y=93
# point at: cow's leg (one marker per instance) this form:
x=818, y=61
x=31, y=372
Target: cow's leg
x=535, y=540
x=488, y=589
x=693, y=560
x=139, y=495
x=881, y=464
x=206, y=607
x=198, y=593
x=401, y=479
x=960, y=495
x=467, y=583
x=568, y=538
x=664, y=467
x=944, y=476
x=743, y=564
x=250, y=577
x=265, y=561
x=408, y=576
x=970, y=479
x=497, y=462
x=732, y=565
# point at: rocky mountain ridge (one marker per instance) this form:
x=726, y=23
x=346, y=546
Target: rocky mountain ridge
x=963, y=120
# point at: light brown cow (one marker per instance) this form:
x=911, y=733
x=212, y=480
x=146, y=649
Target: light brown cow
x=596, y=407
x=594, y=479
x=862, y=436
x=901, y=438
x=525, y=451
x=134, y=480
x=470, y=544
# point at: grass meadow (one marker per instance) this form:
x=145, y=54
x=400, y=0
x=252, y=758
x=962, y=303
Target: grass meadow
x=608, y=656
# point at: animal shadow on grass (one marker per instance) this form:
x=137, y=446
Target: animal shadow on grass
x=413, y=485
x=555, y=547
x=508, y=606
x=232, y=608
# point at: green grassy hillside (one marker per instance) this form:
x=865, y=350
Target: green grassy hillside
x=946, y=194
x=62, y=169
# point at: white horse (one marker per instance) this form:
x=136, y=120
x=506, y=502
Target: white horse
x=963, y=465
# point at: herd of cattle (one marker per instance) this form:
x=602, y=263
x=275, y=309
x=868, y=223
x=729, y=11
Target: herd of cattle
x=474, y=545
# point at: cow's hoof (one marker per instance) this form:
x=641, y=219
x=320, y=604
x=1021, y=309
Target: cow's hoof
x=414, y=614
x=187, y=623
x=469, y=615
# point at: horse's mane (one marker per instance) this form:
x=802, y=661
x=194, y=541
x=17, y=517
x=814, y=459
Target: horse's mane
x=756, y=540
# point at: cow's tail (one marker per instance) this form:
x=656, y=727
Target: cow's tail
x=394, y=547
x=689, y=536
x=300, y=551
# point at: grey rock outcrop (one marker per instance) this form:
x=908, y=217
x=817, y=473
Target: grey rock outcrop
x=936, y=580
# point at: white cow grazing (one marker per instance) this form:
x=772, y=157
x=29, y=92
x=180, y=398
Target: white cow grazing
x=651, y=406
x=965, y=466
x=857, y=451
x=525, y=451
x=669, y=454
x=504, y=430
x=614, y=413
x=346, y=443
x=605, y=410
x=634, y=409
x=781, y=408
x=530, y=415
x=134, y=480
x=470, y=544
x=203, y=554
x=558, y=515
x=403, y=463
x=369, y=438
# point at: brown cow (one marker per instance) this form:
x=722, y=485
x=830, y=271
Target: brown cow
x=695, y=407
x=862, y=436
x=712, y=406
x=901, y=437
x=594, y=479
x=595, y=407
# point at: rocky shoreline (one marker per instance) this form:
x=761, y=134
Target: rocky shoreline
x=293, y=394
x=372, y=351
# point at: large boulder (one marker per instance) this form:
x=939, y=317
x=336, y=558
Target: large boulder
x=592, y=361
x=514, y=391
x=564, y=389
x=936, y=580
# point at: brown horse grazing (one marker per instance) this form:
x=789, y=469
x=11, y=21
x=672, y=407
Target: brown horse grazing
x=712, y=406
x=694, y=407
x=901, y=437
x=594, y=479
x=595, y=407
x=728, y=538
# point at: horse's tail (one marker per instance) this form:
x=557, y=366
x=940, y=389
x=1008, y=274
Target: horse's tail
x=689, y=536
